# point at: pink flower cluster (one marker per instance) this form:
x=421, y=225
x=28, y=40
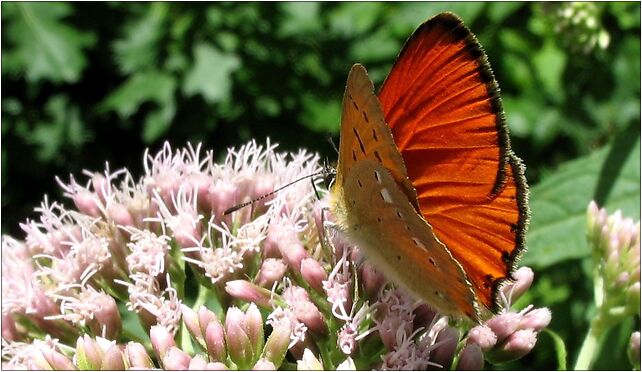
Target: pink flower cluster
x=269, y=286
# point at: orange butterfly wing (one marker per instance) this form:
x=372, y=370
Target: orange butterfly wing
x=375, y=204
x=442, y=102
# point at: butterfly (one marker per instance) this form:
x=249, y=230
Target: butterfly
x=426, y=182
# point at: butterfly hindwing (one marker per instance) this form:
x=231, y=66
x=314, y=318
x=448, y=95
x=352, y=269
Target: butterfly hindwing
x=442, y=103
x=386, y=226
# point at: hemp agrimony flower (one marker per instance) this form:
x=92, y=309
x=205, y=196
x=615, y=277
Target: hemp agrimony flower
x=269, y=286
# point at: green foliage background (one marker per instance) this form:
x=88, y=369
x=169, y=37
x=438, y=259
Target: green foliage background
x=83, y=83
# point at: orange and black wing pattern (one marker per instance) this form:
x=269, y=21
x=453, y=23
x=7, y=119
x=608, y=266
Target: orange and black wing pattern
x=442, y=103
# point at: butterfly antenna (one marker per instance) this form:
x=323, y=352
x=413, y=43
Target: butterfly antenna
x=334, y=146
x=251, y=202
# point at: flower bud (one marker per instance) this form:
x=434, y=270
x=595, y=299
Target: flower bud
x=264, y=365
x=87, y=203
x=445, y=352
x=483, y=336
x=309, y=362
x=198, y=362
x=313, y=273
x=45, y=357
x=162, y=340
x=272, y=270
x=137, y=356
x=277, y=344
x=176, y=359
x=88, y=353
x=504, y=324
x=119, y=214
x=237, y=340
x=308, y=313
x=106, y=316
x=113, y=359
x=523, y=280
x=254, y=330
x=347, y=365
x=373, y=280
x=471, y=358
x=290, y=247
x=191, y=322
x=9, y=331
x=215, y=341
x=249, y=292
x=536, y=319
x=101, y=186
x=514, y=347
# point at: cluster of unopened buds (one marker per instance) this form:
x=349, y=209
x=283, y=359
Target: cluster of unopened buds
x=153, y=274
x=615, y=245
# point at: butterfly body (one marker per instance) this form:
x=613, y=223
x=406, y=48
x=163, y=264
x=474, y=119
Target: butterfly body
x=427, y=185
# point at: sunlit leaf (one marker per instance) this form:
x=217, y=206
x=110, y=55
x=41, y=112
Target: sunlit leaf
x=550, y=62
x=354, y=18
x=211, y=74
x=42, y=44
x=139, y=46
x=299, y=18
x=611, y=176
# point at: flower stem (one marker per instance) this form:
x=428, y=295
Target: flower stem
x=590, y=346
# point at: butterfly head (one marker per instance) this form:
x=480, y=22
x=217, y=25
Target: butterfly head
x=329, y=174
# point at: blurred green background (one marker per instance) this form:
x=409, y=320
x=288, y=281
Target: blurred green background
x=83, y=83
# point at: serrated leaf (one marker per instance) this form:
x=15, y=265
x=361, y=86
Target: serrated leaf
x=211, y=74
x=151, y=86
x=611, y=176
x=42, y=45
x=154, y=86
x=139, y=46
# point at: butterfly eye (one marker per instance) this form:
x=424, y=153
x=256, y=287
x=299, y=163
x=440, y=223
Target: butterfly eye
x=329, y=175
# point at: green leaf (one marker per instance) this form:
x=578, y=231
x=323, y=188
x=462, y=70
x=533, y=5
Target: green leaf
x=320, y=115
x=350, y=19
x=63, y=127
x=211, y=74
x=41, y=45
x=560, y=349
x=610, y=176
x=550, y=62
x=139, y=46
x=497, y=12
x=154, y=86
x=299, y=18
x=151, y=86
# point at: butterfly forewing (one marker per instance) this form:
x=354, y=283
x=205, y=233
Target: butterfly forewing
x=442, y=103
x=364, y=133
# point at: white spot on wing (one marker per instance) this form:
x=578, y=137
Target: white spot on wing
x=385, y=194
x=378, y=176
x=418, y=243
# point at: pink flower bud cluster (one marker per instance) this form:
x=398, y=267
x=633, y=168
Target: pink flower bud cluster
x=615, y=242
x=508, y=335
x=272, y=285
